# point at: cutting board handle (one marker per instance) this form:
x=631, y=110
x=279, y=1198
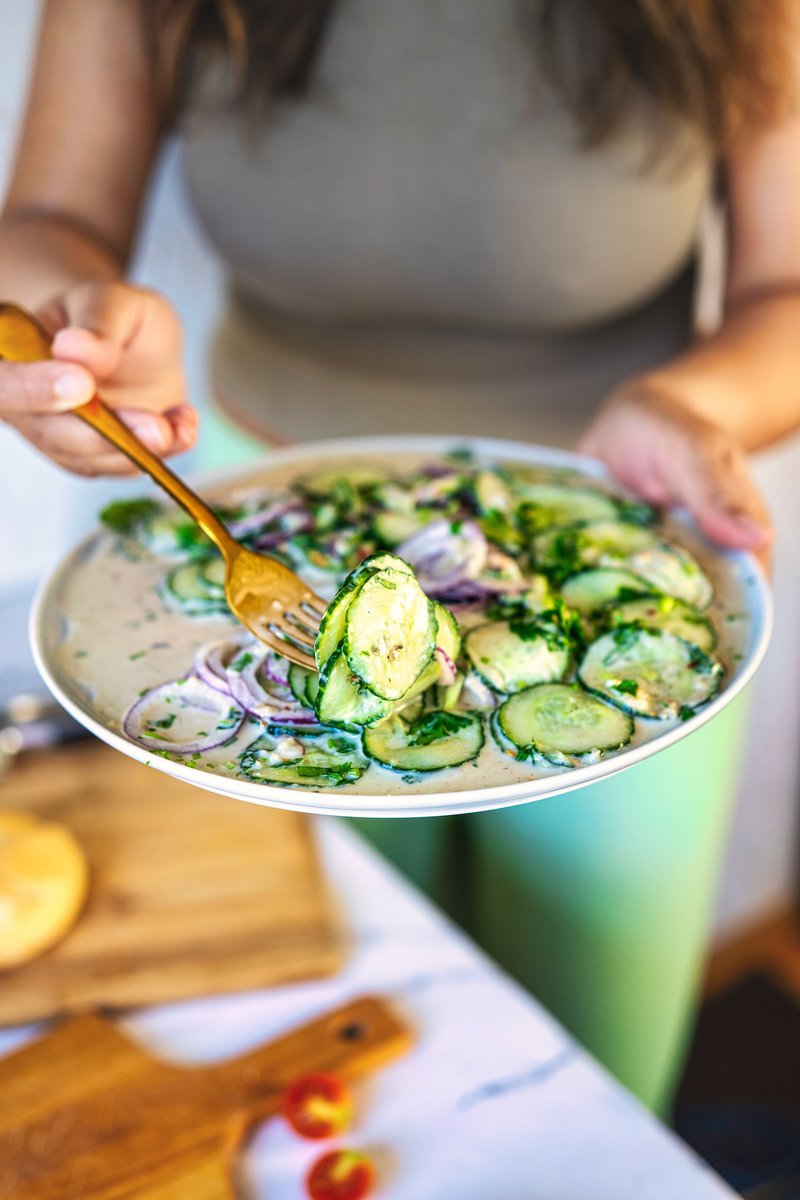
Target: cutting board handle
x=352, y=1040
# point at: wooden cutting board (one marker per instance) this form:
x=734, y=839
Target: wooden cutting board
x=86, y=1114
x=191, y=893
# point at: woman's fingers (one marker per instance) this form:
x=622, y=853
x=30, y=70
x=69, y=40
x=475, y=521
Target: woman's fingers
x=124, y=341
x=657, y=446
x=713, y=480
x=75, y=445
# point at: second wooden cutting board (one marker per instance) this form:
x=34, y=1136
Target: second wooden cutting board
x=87, y=1115
x=191, y=893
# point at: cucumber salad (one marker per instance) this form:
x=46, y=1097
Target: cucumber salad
x=475, y=609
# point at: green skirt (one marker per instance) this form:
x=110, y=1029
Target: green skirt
x=598, y=900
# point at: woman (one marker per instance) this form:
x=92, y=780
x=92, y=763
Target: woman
x=464, y=217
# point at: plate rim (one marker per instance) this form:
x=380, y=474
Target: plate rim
x=420, y=804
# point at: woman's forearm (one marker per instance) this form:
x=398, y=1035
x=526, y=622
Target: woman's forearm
x=42, y=256
x=746, y=379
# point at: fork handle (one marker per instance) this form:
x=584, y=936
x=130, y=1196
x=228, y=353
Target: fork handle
x=97, y=414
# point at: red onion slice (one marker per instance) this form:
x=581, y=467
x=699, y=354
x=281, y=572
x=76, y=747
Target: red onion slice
x=255, y=677
x=447, y=668
x=211, y=661
x=249, y=685
x=185, y=716
x=445, y=554
x=502, y=573
x=300, y=719
x=255, y=521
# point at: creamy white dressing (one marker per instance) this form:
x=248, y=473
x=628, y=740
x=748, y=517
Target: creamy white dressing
x=111, y=636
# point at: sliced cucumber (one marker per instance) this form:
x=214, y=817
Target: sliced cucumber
x=212, y=572
x=491, y=494
x=590, y=590
x=173, y=532
x=539, y=595
x=357, y=476
x=332, y=627
x=509, y=662
x=544, y=506
x=409, y=710
x=432, y=742
x=448, y=695
x=499, y=738
x=649, y=672
x=341, y=697
x=298, y=683
x=665, y=612
x=390, y=633
x=392, y=496
x=312, y=687
x=448, y=634
x=392, y=528
x=381, y=561
x=328, y=553
x=563, y=724
x=596, y=543
x=316, y=768
x=448, y=637
x=673, y=570
x=537, y=598
x=187, y=588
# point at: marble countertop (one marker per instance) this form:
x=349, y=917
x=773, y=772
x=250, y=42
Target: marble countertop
x=494, y=1102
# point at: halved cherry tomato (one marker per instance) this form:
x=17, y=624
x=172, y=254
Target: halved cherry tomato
x=341, y=1175
x=317, y=1106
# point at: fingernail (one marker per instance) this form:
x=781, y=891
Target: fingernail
x=151, y=431
x=72, y=387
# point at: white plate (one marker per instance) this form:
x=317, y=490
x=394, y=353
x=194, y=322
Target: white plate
x=743, y=618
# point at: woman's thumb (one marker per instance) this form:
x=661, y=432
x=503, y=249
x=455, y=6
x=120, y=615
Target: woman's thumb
x=29, y=389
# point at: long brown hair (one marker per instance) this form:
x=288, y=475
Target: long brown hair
x=725, y=65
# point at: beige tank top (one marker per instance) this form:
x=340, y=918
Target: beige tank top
x=425, y=244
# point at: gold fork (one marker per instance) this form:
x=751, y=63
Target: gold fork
x=269, y=599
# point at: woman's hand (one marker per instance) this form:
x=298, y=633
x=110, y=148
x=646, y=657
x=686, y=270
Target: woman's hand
x=663, y=451
x=121, y=340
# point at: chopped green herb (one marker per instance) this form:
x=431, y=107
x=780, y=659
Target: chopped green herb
x=461, y=454
x=241, y=662
x=166, y=722
x=433, y=726
x=636, y=512
x=685, y=712
x=628, y=687
x=138, y=654
x=336, y=773
x=125, y=516
x=526, y=754
x=629, y=593
x=340, y=745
